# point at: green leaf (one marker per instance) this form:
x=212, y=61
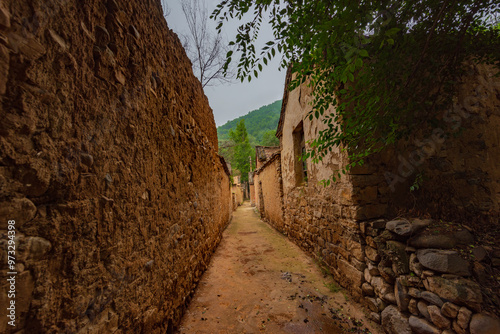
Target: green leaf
x=384, y=96
x=392, y=31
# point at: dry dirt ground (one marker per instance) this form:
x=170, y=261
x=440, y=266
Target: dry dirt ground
x=258, y=281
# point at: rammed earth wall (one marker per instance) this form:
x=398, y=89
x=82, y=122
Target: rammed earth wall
x=271, y=191
x=108, y=165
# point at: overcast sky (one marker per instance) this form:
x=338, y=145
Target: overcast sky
x=230, y=101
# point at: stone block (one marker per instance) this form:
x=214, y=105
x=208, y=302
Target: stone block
x=367, y=275
x=415, y=293
x=361, y=266
x=406, y=228
x=4, y=17
x=450, y=310
x=367, y=289
x=401, y=294
x=372, y=269
x=380, y=286
x=372, y=254
x=397, y=253
x=444, y=261
x=394, y=322
x=38, y=248
x=370, y=242
x=484, y=324
x=437, y=318
x=457, y=328
x=421, y=326
x=431, y=298
x=356, y=249
x=456, y=290
x=371, y=304
x=354, y=276
x=463, y=317
x=433, y=241
x=412, y=307
x=375, y=317
x=390, y=298
x=422, y=308
x=415, y=265
x=387, y=274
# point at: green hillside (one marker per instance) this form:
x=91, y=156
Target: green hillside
x=257, y=122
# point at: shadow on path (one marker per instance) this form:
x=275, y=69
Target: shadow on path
x=259, y=281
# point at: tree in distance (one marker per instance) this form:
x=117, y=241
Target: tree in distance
x=242, y=150
x=269, y=139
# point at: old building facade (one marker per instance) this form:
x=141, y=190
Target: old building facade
x=352, y=225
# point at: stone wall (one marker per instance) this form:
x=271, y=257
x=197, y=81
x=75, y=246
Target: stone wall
x=424, y=276
x=263, y=153
x=252, y=194
x=108, y=165
x=271, y=191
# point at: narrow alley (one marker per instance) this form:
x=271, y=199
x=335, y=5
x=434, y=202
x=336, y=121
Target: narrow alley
x=259, y=281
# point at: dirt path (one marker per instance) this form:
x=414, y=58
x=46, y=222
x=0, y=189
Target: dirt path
x=259, y=281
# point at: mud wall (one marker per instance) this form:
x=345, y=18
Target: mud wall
x=252, y=194
x=457, y=160
x=238, y=195
x=258, y=191
x=108, y=165
x=272, y=191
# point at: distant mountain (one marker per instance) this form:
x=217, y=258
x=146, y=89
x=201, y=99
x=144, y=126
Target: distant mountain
x=257, y=122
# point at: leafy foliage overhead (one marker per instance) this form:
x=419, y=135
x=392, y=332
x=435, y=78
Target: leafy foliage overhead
x=389, y=66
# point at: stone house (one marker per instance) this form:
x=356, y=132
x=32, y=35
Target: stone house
x=383, y=263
